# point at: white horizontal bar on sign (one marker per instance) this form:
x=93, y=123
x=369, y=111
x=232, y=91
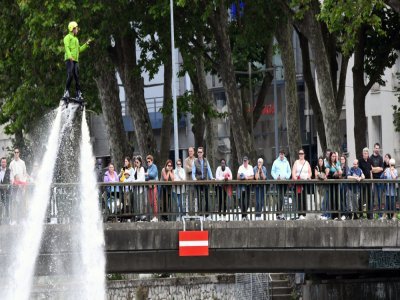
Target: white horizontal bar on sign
x=192, y=243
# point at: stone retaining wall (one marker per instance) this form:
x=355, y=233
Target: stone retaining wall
x=211, y=287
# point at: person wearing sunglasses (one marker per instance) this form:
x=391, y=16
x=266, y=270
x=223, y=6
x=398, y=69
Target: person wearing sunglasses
x=167, y=174
x=202, y=171
x=179, y=190
x=18, y=167
x=152, y=175
x=301, y=170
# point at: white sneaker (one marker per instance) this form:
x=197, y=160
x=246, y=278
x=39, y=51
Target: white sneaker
x=343, y=218
x=154, y=219
x=323, y=218
x=302, y=218
x=258, y=218
x=209, y=218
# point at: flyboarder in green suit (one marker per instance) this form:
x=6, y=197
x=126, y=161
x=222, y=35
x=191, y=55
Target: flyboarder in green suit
x=72, y=50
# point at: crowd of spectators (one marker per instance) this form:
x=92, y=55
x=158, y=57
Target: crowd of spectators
x=339, y=199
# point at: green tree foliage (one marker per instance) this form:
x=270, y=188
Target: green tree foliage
x=347, y=17
x=32, y=65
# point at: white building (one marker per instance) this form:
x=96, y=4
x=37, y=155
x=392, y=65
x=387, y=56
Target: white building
x=379, y=112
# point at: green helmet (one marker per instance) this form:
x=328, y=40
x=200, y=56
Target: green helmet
x=72, y=25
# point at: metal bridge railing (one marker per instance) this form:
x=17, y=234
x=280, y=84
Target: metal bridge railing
x=216, y=200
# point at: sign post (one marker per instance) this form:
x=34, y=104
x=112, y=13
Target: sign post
x=193, y=243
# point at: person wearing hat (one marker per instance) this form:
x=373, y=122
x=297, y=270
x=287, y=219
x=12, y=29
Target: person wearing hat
x=71, y=57
x=245, y=172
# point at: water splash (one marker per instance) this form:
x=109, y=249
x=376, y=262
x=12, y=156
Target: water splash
x=26, y=250
x=91, y=234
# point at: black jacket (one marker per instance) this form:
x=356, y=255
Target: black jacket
x=6, y=178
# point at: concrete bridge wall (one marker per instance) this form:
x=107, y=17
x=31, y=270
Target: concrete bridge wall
x=264, y=246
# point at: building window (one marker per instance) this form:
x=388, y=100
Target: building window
x=376, y=130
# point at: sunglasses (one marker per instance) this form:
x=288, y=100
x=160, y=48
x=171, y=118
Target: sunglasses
x=301, y=153
x=16, y=152
x=169, y=165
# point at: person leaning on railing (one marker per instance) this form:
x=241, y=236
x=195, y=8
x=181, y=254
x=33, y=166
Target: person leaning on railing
x=112, y=191
x=343, y=187
x=191, y=202
x=281, y=171
x=167, y=174
x=355, y=174
x=139, y=198
x=365, y=164
x=319, y=173
x=151, y=175
x=391, y=173
x=5, y=191
x=301, y=170
x=245, y=172
x=260, y=173
x=124, y=174
x=223, y=173
x=333, y=171
x=179, y=190
x=202, y=171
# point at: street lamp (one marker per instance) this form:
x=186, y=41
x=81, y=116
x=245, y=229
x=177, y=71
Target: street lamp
x=175, y=106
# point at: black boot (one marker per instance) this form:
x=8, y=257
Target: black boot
x=79, y=96
x=66, y=95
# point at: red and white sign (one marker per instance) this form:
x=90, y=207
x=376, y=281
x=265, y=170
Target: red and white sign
x=193, y=243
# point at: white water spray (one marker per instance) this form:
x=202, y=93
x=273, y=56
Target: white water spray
x=91, y=234
x=27, y=245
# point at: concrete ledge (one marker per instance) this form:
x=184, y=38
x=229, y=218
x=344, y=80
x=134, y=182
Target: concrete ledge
x=261, y=234
x=234, y=246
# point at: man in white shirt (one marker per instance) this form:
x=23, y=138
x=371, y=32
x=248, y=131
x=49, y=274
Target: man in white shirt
x=245, y=172
x=18, y=168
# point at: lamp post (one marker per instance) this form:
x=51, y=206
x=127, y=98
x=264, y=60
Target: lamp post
x=276, y=115
x=175, y=106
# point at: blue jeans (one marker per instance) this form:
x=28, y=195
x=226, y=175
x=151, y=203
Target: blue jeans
x=378, y=190
x=178, y=198
x=343, y=195
x=390, y=205
x=259, y=200
x=325, y=203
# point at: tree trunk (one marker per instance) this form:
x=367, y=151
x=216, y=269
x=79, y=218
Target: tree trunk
x=312, y=93
x=266, y=84
x=342, y=84
x=285, y=41
x=107, y=85
x=234, y=165
x=394, y=4
x=166, y=129
x=198, y=122
x=359, y=92
x=125, y=50
x=207, y=101
x=323, y=68
x=244, y=142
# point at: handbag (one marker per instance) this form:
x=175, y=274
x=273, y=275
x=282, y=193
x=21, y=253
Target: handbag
x=299, y=187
